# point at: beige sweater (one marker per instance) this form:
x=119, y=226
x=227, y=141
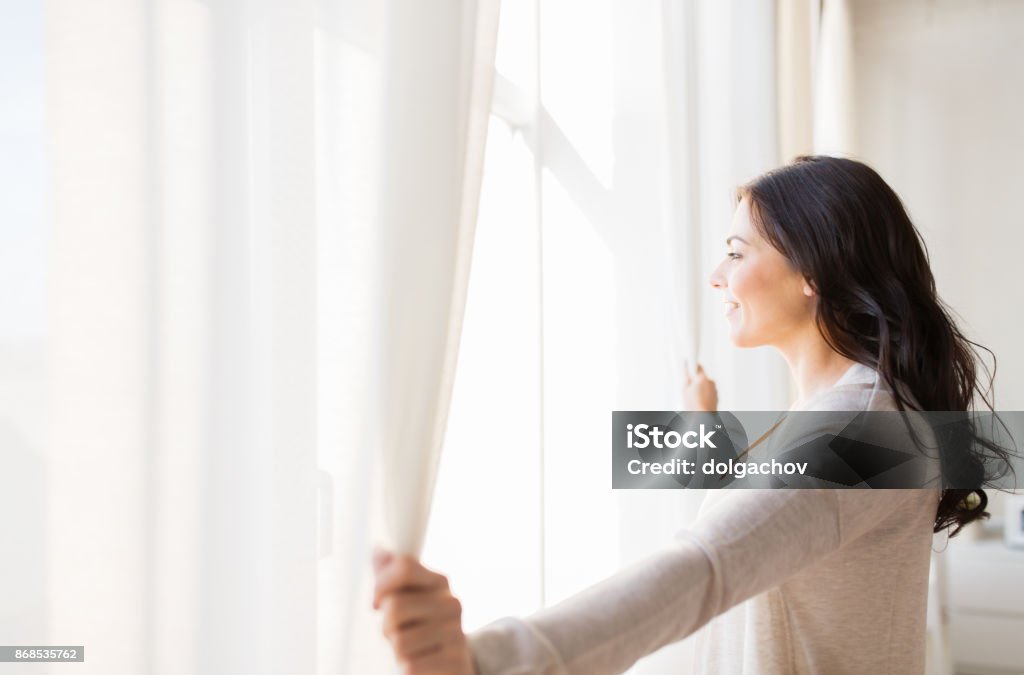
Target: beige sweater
x=782, y=581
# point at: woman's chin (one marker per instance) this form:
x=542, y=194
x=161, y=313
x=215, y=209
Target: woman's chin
x=741, y=339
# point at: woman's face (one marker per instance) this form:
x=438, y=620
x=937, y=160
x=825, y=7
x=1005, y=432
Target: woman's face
x=767, y=302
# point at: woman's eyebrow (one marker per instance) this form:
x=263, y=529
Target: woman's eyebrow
x=729, y=240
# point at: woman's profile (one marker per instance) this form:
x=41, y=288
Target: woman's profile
x=823, y=264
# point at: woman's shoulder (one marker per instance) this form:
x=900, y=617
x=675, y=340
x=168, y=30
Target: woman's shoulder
x=861, y=388
x=853, y=399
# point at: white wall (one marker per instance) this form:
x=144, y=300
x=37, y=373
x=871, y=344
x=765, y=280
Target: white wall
x=939, y=111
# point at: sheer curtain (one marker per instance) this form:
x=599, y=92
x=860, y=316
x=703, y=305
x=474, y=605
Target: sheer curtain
x=437, y=99
x=182, y=458
x=833, y=83
x=436, y=80
x=221, y=298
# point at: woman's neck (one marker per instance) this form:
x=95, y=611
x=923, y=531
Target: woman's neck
x=815, y=366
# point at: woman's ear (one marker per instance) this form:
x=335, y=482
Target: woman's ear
x=808, y=291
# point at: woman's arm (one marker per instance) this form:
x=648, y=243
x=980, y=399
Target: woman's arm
x=746, y=543
x=749, y=542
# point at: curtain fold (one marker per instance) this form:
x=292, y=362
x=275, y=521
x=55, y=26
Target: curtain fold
x=683, y=232
x=418, y=84
x=437, y=95
x=815, y=74
x=833, y=81
x=717, y=69
x=796, y=28
x=182, y=354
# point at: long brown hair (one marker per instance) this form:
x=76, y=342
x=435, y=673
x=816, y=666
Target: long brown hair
x=847, y=232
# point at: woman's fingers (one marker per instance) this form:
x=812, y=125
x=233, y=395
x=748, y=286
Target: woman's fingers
x=381, y=557
x=401, y=610
x=425, y=639
x=700, y=392
x=405, y=572
x=451, y=658
x=698, y=372
x=421, y=617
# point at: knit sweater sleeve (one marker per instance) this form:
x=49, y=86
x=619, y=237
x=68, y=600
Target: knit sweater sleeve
x=750, y=541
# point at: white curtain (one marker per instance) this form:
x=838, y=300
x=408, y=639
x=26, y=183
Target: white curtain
x=435, y=78
x=796, y=31
x=218, y=293
x=182, y=351
x=437, y=100
x=833, y=81
x=815, y=75
x=720, y=90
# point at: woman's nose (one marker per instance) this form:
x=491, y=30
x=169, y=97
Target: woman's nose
x=717, y=279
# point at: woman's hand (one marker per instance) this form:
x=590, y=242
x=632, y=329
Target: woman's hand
x=421, y=617
x=700, y=392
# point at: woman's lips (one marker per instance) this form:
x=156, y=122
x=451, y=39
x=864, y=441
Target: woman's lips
x=731, y=307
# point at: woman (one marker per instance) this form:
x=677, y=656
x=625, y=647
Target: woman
x=823, y=264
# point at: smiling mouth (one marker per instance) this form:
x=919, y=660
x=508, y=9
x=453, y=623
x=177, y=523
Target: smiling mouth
x=731, y=307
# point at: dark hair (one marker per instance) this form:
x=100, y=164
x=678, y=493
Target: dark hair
x=847, y=232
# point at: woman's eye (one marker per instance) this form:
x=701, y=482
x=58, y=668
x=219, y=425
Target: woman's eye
x=734, y=256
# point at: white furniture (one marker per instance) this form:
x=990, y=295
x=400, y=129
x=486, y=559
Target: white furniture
x=1013, y=524
x=986, y=606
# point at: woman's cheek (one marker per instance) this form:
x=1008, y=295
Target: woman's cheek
x=740, y=285
x=751, y=290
